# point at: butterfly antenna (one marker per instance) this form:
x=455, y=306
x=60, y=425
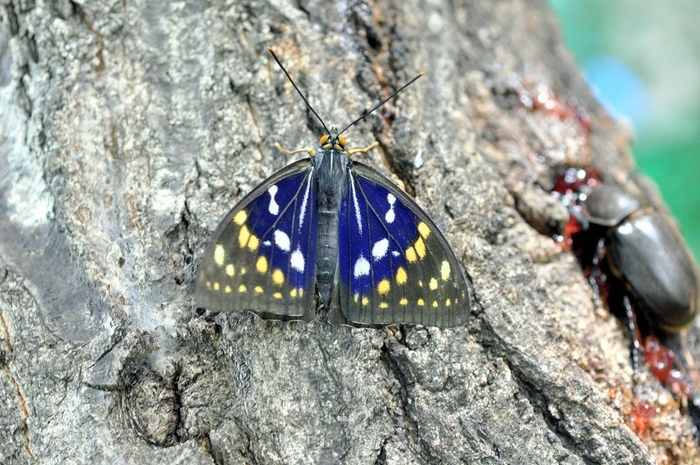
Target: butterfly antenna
x=367, y=113
x=308, y=105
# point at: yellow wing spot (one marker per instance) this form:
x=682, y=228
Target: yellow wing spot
x=383, y=305
x=208, y=283
x=216, y=286
x=365, y=301
x=423, y=230
x=411, y=254
x=356, y=297
x=258, y=289
x=278, y=277
x=227, y=289
x=403, y=301
x=420, y=248
x=435, y=304
x=401, y=276
x=433, y=284
x=445, y=270
x=253, y=243
x=242, y=288
x=243, y=271
x=243, y=236
x=448, y=302
x=230, y=270
x=383, y=287
x=240, y=217
x=420, y=302
x=219, y=255
x=277, y=295
x=297, y=292
x=420, y=283
x=261, y=264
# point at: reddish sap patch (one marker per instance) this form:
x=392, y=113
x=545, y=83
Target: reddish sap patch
x=564, y=239
x=575, y=181
x=640, y=418
x=544, y=99
x=569, y=187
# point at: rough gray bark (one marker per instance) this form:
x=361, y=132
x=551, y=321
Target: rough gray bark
x=129, y=129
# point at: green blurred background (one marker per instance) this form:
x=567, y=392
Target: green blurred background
x=642, y=57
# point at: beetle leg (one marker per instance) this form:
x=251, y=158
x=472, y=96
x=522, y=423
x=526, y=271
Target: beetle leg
x=596, y=274
x=688, y=361
x=688, y=376
x=635, y=336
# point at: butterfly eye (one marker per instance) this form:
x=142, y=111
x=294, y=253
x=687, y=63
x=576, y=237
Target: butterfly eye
x=324, y=139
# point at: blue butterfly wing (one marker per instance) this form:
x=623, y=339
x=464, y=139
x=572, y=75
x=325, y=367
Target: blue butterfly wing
x=395, y=266
x=262, y=258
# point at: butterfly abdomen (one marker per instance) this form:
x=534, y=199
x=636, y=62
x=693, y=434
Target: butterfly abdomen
x=331, y=185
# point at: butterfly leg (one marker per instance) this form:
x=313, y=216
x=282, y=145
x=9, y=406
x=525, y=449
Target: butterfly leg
x=371, y=146
x=279, y=147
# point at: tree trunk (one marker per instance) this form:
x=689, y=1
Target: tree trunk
x=130, y=129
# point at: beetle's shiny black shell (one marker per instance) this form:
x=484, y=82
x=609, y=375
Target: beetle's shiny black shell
x=648, y=253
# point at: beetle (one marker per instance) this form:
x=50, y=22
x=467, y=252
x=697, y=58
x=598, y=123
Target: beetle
x=621, y=239
x=640, y=245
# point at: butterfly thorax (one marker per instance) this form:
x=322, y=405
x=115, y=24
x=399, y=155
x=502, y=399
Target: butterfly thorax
x=330, y=170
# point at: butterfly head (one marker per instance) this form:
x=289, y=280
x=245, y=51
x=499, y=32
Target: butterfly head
x=332, y=141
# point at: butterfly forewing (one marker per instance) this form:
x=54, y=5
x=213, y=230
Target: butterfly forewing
x=262, y=257
x=394, y=264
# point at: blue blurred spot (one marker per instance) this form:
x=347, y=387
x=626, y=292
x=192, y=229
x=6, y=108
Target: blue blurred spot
x=618, y=88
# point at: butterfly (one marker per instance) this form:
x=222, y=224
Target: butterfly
x=333, y=234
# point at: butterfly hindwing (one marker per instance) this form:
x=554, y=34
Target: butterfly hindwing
x=395, y=266
x=262, y=258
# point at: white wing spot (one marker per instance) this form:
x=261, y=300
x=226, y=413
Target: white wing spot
x=282, y=240
x=267, y=243
x=361, y=267
x=390, y=215
x=395, y=253
x=274, y=207
x=305, y=200
x=297, y=260
x=358, y=215
x=380, y=248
